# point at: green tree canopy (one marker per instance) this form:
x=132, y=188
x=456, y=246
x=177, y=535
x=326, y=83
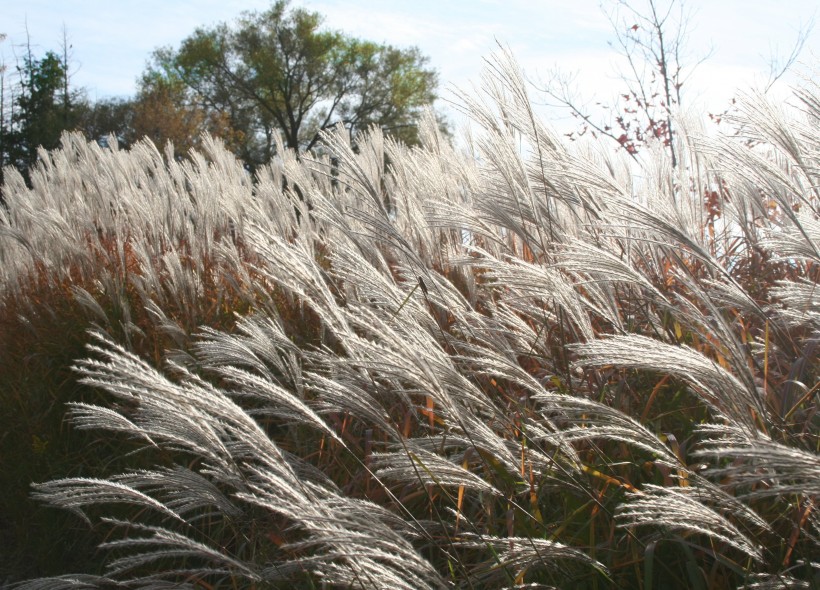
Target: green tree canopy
x=279, y=71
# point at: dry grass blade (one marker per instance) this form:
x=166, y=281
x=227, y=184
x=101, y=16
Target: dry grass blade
x=760, y=467
x=76, y=493
x=516, y=556
x=719, y=388
x=679, y=509
x=416, y=465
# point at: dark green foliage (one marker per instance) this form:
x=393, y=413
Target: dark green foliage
x=42, y=110
x=107, y=116
x=38, y=104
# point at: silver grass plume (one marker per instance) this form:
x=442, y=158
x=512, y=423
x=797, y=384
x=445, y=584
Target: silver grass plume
x=716, y=386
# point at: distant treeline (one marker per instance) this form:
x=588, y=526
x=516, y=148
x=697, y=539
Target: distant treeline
x=271, y=73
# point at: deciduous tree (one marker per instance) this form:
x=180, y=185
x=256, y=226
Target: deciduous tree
x=161, y=113
x=280, y=71
x=650, y=35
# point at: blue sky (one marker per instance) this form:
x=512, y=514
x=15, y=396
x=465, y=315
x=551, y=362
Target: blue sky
x=112, y=39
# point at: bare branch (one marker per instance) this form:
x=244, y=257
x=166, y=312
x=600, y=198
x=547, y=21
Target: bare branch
x=776, y=69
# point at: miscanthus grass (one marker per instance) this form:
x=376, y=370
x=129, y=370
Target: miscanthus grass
x=519, y=366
